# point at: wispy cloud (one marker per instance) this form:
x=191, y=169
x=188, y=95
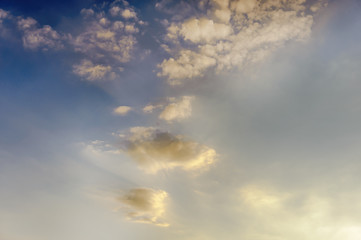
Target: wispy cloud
x=92, y=72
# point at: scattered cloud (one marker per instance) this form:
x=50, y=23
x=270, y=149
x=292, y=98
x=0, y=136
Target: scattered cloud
x=122, y=110
x=108, y=34
x=92, y=72
x=33, y=37
x=150, y=107
x=154, y=150
x=188, y=64
x=173, y=109
x=232, y=34
x=44, y=38
x=200, y=30
x=177, y=109
x=145, y=205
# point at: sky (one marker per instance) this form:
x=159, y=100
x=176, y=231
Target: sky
x=182, y=120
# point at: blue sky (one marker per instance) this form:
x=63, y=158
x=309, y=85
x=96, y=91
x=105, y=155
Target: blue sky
x=194, y=120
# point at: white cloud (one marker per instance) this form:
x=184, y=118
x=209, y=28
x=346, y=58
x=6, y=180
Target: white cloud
x=108, y=36
x=154, y=150
x=150, y=107
x=201, y=30
x=129, y=13
x=44, y=38
x=188, y=64
x=104, y=39
x=122, y=110
x=232, y=34
x=92, y=72
x=145, y=205
x=177, y=109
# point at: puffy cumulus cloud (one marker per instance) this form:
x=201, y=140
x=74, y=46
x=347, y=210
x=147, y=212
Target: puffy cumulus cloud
x=44, y=38
x=122, y=110
x=188, y=64
x=108, y=34
x=154, y=150
x=177, y=109
x=145, y=205
x=233, y=34
x=33, y=36
x=92, y=72
x=200, y=30
x=125, y=13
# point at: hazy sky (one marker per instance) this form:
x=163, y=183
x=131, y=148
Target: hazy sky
x=182, y=120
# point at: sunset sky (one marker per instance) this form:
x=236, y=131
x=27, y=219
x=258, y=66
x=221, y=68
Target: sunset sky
x=180, y=120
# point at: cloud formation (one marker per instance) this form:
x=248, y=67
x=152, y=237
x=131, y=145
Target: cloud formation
x=109, y=33
x=233, y=34
x=173, y=109
x=178, y=109
x=92, y=72
x=301, y=212
x=105, y=40
x=145, y=205
x=44, y=38
x=33, y=37
x=154, y=150
x=122, y=110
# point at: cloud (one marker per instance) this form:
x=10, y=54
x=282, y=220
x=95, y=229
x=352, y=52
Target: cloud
x=44, y=38
x=33, y=37
x=122, y=110
x=314, y=213
x=154, y=150
x=108, y=34
x=129, y=13
x=200, y=30
x=145, y=205
x=4, y=14
x=91, y=72
x=150, y=107
x=232, y=34
x=188, y=64
x=177, y=109
x=173, y=109
x=126, y=13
